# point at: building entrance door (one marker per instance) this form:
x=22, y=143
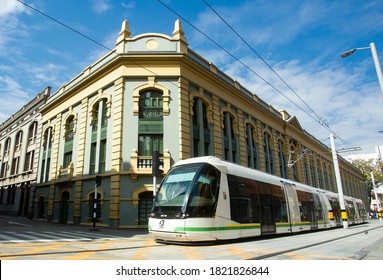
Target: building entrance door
x=64, y=207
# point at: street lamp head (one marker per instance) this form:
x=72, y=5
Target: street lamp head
x=350, y=52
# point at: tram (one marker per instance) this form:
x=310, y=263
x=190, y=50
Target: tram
x=208, y=199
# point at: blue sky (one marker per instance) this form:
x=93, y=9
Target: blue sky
x=301, y=41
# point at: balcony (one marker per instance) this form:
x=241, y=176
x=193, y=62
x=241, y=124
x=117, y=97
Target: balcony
x=142, y=165
x=65, y=173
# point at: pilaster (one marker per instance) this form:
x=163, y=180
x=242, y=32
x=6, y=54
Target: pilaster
x=82, y=137
x=56, y=146
x=217, y=127
x=117, y=129
x=117, y=147
x=261, y=145
x=242, y=138
x=184, y=118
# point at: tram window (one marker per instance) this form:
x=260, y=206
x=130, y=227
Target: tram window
x=318, y=207
x=244, y=201
x=306, y=206
x=335, y=206
x=175, y=186
x=279, y=203
x=272, y=202
x=203, y=197
x=350, y=210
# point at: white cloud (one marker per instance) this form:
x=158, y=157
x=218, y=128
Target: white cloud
x=101, y=6
x=12, y=31
x=12, y=96
x=128, y=4
x=10, y=7
x=340, y=96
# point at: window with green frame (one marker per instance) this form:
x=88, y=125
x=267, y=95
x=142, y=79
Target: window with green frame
x=46, y=155
x=150, y=126
x=251, y=147
x=99, y=137
x=68, y=148
x=269, y=153
x=200, y=129
x=229, y=138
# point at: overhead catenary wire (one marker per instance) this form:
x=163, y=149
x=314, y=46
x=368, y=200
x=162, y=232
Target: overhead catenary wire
x=237, y=59
x=319, y=119
x=322, y=121
x=263, y=60
x=83, y=35
x=65, y=25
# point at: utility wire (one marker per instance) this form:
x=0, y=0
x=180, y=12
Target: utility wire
x=320, y=120
x=88, y=38
x=237, y=59
x=63, y=24
x=264, y=61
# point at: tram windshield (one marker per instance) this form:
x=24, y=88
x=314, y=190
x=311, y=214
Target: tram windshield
x=188, y=191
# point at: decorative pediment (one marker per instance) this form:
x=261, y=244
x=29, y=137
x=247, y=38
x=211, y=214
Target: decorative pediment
x=293, y=121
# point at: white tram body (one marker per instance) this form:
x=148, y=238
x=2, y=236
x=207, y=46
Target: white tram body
x=207, y=199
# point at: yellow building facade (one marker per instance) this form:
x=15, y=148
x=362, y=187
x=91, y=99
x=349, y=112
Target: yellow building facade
x=154, y=93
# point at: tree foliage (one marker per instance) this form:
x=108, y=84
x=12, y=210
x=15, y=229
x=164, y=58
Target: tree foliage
x=368, y=166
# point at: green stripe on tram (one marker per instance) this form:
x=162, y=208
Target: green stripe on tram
x=235, y=227
x=223, y=228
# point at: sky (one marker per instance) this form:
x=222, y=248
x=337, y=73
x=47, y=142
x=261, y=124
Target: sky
x=287, y=52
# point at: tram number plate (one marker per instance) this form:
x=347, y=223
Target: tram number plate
x=162, y=223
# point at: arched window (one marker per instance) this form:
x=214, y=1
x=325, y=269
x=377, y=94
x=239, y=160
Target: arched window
x=200, y=129
x=229, y=138
x=282, y=160
x=150, y=126
x=320, y=175
x=69, y=135
x=269, y=154
x=32, y=133
x=313, y=173
x=46, y=154
x=251, y=147
x=100, y=114
x=7, y=147
x=18, y=141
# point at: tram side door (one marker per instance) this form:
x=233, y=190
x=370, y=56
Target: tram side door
x=292, y=206
x=266, y=203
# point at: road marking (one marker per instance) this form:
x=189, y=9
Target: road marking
x=20, y=224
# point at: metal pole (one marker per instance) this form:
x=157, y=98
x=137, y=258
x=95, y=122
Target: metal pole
x=154, y=186
x=95, y=206
x=377, y=66
x=339, y=182
x=376, y=196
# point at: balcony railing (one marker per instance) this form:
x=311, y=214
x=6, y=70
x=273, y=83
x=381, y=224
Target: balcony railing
x=143, y=164
x=65, y=173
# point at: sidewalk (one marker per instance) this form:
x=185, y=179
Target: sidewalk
x=17, y=222
x=375, y=250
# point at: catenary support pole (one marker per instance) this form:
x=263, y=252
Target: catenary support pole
x=339, y=182
x=377, y=66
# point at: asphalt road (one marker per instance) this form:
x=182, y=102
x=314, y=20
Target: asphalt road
x=24, y=239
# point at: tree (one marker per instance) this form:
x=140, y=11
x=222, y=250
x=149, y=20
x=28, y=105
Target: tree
x=366, y=167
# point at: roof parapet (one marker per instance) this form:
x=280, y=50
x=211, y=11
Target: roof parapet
x=124, y=35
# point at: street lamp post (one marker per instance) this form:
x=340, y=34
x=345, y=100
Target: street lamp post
x=376, y=61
